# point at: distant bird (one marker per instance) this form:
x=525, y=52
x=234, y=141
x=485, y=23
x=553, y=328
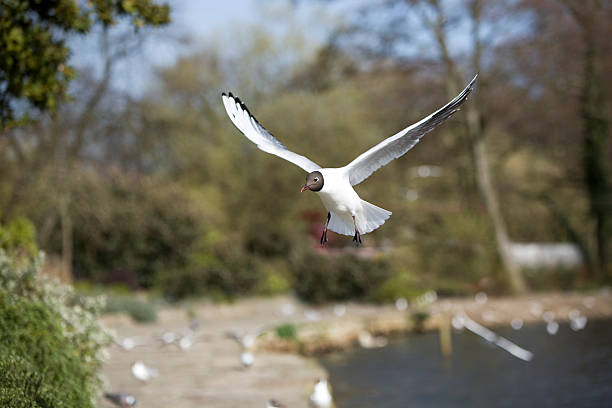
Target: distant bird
x=185, y=342
x=347, y=214
x=167, y=338
x=246, y=341
x=247, y=359
x=366, y=340
x=129, y=343
x=143, y=372
x=552, y=327
x=121, y=400
x=321, y=395
x=275, y=404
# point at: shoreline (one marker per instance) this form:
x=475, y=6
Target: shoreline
x=209, y=372
x=332, y=335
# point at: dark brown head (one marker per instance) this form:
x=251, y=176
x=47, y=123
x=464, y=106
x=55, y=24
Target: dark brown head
x=314, y=181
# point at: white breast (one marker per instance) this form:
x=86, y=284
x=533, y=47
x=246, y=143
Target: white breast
x=337, y=193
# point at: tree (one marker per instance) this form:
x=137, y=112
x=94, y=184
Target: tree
x=397, y=32
x=33, y=66
x=592, y=18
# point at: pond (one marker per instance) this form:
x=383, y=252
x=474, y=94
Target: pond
x=569, y=369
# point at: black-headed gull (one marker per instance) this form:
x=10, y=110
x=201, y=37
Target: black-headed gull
x=143, y=372
x=347, y=213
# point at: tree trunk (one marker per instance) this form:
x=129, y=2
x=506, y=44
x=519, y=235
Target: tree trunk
x=66, y=224
x=596, y=126
x=475, y=139
x=593, y=103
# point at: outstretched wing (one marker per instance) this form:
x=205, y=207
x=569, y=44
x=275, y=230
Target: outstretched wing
x=250, y=127
x=398, y=144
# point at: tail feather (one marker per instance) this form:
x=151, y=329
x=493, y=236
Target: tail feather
x=374, y=217
x=341, y=225
x=371, y=218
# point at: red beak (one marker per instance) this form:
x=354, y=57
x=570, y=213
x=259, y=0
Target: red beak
x=306, y=187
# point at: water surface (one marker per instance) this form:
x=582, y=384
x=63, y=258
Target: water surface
x=570, y=369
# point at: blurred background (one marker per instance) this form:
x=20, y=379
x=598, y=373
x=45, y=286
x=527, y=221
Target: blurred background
x=137, y=177
x=119, y=162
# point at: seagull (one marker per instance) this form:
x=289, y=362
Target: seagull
x=321, y=396
x=275, y=404
x=246, y=342
x=247, y=359
x=347, y=213
x=129, y=343
x=143, y=372
x=121, y=400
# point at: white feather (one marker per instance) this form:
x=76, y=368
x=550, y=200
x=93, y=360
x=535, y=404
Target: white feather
x=398, y=144
x=250, y=127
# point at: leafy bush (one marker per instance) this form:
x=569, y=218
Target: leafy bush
x=321, y=278
x=131, y=228
x=399, y=285
x=50, y=341
x=456, y=251
x=286, y=331
x=139, y=310
x=215, y=268
x=22, y=386
x=18, y=235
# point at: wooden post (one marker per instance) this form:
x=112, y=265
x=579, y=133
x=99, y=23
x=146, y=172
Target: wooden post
x=444, y=327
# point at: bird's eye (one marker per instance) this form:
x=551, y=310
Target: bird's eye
x=316, y=179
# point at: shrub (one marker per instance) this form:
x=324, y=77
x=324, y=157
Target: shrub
x=130, y=228
x=286, y=331
x=399, y=285
x=320, y=278
x=220, y=270
x=139, y=310
x=18, y=236
x=50, y=341
x=21, y=386
x=456, y=251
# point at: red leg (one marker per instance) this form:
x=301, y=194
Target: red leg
x=357, y=237
x=324, y=235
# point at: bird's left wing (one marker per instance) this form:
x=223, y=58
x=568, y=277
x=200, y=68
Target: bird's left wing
x=398, y=144
x=250, y=127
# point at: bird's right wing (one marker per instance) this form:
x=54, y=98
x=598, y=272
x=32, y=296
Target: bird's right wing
x=250, y=127
x=398, y=144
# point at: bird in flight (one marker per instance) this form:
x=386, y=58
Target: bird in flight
x=347, y=214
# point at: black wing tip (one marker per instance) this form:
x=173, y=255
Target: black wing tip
x=242, y=105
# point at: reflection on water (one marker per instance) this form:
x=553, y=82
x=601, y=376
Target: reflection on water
x=569, y=369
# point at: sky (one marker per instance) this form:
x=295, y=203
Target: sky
x=200, y=24
x=197, y=23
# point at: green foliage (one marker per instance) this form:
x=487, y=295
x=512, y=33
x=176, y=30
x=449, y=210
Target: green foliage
x=50, y=336
x=457, y=253
x=18, y=236
x=33, y=67
x=320, y=278
x=402, y=284
x=139, y=310
x=286, y=331
x=274, y=278
x=22, y=386
x=218, y=270
x=131, y=229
